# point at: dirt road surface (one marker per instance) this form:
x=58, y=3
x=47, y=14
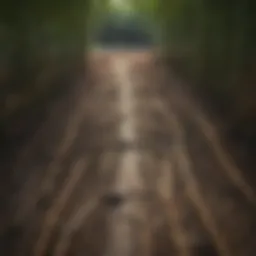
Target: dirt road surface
x=128, y=166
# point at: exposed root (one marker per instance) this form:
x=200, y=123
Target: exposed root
x=233, y=172
x=167, y=190
x=195, y=195
x=81, y=215
x=53, y=214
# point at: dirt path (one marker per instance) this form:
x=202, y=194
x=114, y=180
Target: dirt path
x=129, y=167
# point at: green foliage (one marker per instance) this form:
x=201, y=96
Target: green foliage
x=215, y=42
x=215, y=39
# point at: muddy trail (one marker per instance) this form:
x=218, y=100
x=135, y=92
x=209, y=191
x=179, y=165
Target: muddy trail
x=128, y=166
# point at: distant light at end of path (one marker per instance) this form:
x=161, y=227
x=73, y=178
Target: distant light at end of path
x=122, y=5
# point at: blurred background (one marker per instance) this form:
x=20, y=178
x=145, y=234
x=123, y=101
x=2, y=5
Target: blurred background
x=209, y=45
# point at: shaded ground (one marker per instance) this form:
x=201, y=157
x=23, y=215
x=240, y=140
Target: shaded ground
x=127, y=166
